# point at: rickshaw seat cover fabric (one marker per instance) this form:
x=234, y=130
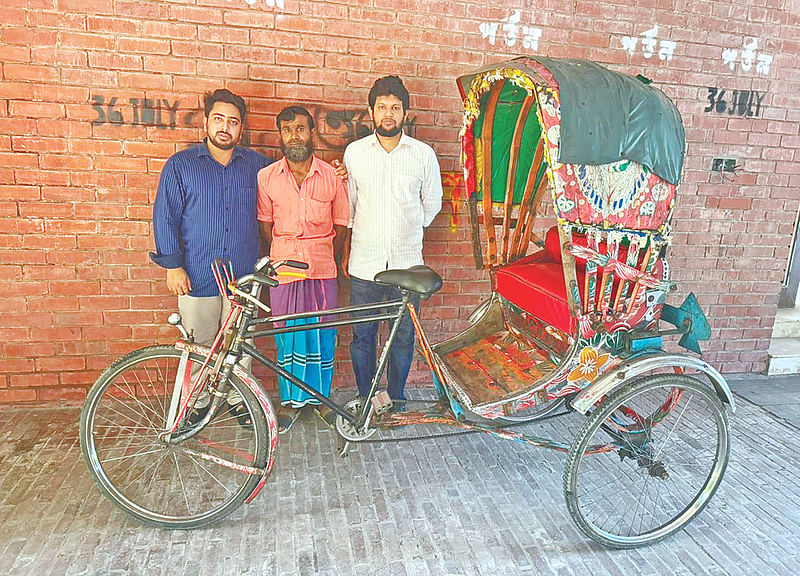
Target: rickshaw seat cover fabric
x=419, y=279
x=607, y=116
x=536, y=285
x=536, y=282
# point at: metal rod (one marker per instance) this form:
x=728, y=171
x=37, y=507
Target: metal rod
x=297, y=382
x=314, y=326
x=365, y=412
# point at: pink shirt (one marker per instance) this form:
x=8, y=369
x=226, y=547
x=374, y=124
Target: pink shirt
x=303, y=216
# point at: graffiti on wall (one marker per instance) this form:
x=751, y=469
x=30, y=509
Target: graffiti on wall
x=156, y=112
x=742, y=102
x=747, y=57
x=512, y=32
x=454, y=192
x=651, y=44
x=336, y=128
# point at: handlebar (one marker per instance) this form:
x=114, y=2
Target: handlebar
x=265, y=270
x=264, y=273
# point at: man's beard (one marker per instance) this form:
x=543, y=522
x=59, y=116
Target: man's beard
x=390, y=133
x=223, y=146
x=298, y=152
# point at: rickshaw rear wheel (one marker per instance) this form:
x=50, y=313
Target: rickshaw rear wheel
x=647, y=460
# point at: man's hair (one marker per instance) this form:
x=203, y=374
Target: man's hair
x=389, y=86
x=224, y=95
x=288, y=114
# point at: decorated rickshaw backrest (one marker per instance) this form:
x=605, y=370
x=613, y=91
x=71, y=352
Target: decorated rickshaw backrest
x=606, y=150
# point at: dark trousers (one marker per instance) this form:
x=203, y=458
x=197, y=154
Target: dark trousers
x=363, y=348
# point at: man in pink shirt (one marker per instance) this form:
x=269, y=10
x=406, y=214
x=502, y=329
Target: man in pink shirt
x=304, y=212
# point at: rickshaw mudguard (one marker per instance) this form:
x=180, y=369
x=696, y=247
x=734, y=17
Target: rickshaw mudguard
x=263, y=401
x=612, y=380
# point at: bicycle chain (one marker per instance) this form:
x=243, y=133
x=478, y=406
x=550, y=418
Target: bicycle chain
x=460, y=432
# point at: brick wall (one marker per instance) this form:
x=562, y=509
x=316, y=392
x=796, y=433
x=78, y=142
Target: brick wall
x=96, y=94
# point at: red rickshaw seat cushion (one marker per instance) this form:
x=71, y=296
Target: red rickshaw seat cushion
x=536, y=284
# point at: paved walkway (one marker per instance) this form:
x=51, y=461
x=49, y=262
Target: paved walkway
x=463, y=505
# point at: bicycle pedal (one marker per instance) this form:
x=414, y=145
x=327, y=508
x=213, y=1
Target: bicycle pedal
x=381, y=403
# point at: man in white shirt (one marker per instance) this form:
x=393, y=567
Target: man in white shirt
x=395, y=191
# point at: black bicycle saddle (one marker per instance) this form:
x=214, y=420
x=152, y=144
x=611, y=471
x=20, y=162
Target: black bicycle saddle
x=419, y=279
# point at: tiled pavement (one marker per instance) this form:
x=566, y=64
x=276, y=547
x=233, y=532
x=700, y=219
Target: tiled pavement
x=454, y=506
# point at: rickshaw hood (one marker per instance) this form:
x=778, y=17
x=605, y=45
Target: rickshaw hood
x=608, y=116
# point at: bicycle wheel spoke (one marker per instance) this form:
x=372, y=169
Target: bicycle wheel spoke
x=204, y=469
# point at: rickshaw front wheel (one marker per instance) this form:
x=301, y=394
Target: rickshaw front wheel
x=647, y=460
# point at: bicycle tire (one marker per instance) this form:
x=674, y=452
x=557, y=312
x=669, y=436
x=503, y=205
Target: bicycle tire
x=122, y=417
x=648, y=487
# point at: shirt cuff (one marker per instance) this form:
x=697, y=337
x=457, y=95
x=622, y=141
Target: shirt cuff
x=167, y=260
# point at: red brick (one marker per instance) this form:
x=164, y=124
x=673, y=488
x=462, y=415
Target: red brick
x=142, y=10
x=248, y=18
x=172, y=30
x=45, y=19
x=116, y=164
x=67, y=392
x=36, y=109
x=11, y=365
x=222, y=35
x=169, y=65
x=30, y=37
x=55, y=56
x=17, y=396
x=196, y=14
x=11, y=53
x=112, y=25
x=89, y=41
x=115, y=61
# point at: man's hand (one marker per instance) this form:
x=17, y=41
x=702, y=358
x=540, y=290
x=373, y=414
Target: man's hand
x=341, y=169
x=344, y=261
x=178, y=281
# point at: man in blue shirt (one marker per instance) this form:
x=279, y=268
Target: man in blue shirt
x=206, y=209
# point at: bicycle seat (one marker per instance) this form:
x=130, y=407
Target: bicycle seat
x=419, y=279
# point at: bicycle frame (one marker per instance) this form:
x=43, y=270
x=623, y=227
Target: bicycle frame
x=231, y=346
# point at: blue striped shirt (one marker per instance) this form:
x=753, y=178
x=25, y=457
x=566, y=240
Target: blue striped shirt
x=204, y=210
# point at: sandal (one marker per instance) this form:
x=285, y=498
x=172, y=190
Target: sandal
x=241, y=413
x=196, y=414
x=327, y=416
x=286, y=417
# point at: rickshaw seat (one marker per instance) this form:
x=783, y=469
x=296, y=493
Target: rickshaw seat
x=536, y=282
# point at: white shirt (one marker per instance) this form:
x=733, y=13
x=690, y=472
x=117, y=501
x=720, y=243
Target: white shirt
x=393, y=196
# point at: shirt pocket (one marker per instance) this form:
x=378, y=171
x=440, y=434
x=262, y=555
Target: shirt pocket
x=318, y=207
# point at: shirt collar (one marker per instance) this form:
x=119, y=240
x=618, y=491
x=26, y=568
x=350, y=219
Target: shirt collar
x=202, y=150
x=314, y=168
x=403, y=140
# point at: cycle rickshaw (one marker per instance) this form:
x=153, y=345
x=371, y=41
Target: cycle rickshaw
x=574, y=325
